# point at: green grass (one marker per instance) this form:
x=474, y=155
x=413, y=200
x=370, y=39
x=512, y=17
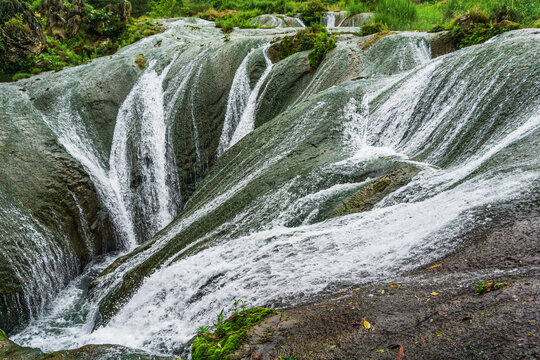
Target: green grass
x=397, y=14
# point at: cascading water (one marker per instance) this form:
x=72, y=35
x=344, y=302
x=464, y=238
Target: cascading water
x=263, y=231
x=144, y=110
x=330, y=20
x=242, y=103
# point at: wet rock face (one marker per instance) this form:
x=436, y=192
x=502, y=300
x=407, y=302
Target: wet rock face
x=63, y=21
x=51, y=220
x=276, y=21
x=442, y=44
x=20, y=32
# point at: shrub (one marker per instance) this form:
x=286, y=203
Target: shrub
x=323, y=43
x=372, y=28
x=315, y=38
x=312, y=12
x=397, y=14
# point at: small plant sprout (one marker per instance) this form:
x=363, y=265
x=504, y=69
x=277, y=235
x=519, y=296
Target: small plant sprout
x=202, y=330
x=483, y=287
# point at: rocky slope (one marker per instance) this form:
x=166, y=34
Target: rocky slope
x=222, y=174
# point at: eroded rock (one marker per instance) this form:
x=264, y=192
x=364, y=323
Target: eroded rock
x=21, y=35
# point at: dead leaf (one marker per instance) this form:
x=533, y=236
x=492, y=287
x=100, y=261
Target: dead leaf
x=436, y=266
x=466, y=318
x=400, y=353
x=442, y=313
x=434, y=293
x=393, y=285
x=367, y=325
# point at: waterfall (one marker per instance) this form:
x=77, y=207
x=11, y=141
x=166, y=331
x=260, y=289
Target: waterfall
x=242, y=103
x=143, y=110
x=417, y=224
x=330, y=20
x=262, y=226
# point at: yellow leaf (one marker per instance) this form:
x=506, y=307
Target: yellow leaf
x=435, y=266
x=367, y=325
x=393, y=285
x=380, y=351
x=382, y=291
x=434, y=293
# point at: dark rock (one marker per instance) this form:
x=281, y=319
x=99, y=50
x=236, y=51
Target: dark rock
x=63, y=20
x=21, y=34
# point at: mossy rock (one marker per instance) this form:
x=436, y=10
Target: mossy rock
x=140, y=61
x=375, y=191
x=378, y=36
x=229, y=336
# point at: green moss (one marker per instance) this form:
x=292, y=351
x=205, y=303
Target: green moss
x=378, y=36
x=21, y=75
x=3, y=335
x=536, y=24
x=228, y=336
x=140, y=61
x=17, y=22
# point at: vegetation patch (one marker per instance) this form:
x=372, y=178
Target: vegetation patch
x=476, y=27
x=315, y=38
x=3, y=335
x=483, y=287
x=85, y=46
x=312, y=12
x=372, y=28
x=228, y=335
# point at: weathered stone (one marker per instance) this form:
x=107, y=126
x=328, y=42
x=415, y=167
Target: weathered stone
x=21, y=34
x=63, y=20
x=442, y=44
